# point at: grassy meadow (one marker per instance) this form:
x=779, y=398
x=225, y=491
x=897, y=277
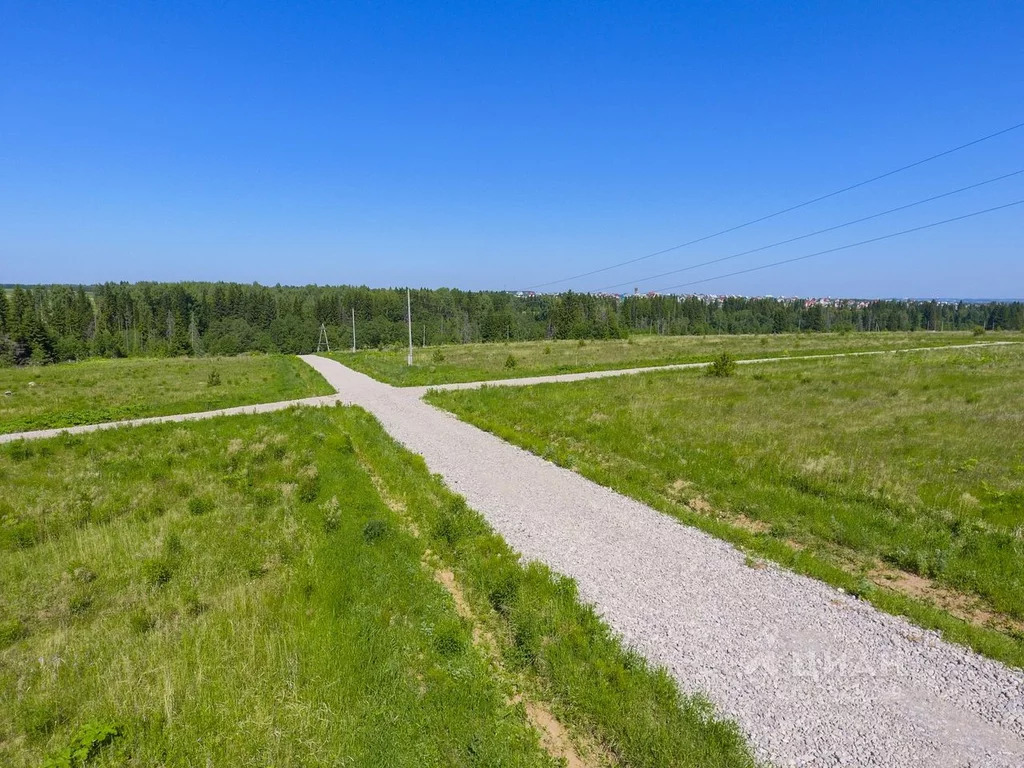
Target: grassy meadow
x=296, y=589
x=897, y=477
x=94, y=391
x=481, y=362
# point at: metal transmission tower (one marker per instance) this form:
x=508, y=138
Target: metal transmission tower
x=321, y=340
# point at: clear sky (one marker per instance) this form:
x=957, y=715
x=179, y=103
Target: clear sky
x=502, y=145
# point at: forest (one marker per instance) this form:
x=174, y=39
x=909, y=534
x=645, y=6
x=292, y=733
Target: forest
x=55, y=323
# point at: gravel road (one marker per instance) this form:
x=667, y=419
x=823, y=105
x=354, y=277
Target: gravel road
x=566, y=377
x=813, y=676
x=240, y=409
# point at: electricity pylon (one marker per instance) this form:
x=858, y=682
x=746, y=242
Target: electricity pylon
x=321, y=340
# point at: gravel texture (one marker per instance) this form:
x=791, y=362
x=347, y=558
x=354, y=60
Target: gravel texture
x=813, y=676
x=234, y=411
x=566, y=377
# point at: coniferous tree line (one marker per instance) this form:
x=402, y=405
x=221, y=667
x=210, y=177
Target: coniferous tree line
x=42, y=324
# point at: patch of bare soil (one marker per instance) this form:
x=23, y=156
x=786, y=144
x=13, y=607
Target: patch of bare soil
x=554, y=738
x=965, y=607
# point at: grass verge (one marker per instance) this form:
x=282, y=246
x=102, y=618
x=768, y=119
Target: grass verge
x=897, y=478
x=276, y=590
x=95, y=391
x=482, y=362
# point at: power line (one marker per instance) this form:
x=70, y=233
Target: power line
x=784, y=210
x=845, y=247
x=817, y=232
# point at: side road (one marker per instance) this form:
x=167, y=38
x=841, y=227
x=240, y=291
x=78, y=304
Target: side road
x=420, y=391
x=240, y=409
x=813, y=676
x=565, y=377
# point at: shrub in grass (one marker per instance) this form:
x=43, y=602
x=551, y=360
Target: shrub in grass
x=11, y=631
x=79, y=603
x=332, y=515
x=20, y=450
x=722, y=367
x=374, y=530
x=581, y=343
x=309, y=484
x=978, y=330
x=454, y=522
x=502, y=587
x=511, y=362
x=448, y=639
x=19, y=534
x=438, y=356
x=156, y=571
x=547, y=349
x=141, y=621
x=213, y=380
x=200, y=505
x=87, y=741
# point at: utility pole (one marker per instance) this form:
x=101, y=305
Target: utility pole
x=353, y=329
x=408, y=310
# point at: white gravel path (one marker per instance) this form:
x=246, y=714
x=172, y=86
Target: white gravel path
x=813, y=676
x=241, y=409
x=566, y=377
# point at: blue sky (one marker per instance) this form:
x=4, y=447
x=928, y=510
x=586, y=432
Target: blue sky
x=501, y=145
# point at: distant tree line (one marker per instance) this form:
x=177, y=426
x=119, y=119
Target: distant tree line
x=41, y=324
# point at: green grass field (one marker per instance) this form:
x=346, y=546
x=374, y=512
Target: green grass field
x=296, y=589
x=94, y=391
x=898, y=477
x=481, y=362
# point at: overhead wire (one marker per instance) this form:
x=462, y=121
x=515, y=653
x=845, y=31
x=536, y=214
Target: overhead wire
x=844, y=247
x=812, y=234
x=791, y=208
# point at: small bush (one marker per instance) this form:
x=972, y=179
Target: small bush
x=511, y=362
x=503, y=588
x=581, y=343
x=332, y=515
x=438, y=356
x=80, y=603
x=191, y=602
x=722, y=367
x=200, y=505
x=11, y=631
x=978, y=330
x=20, y=450
x=141, y=621
x=213, y=380
x=374, y=530
x=455, y=522
x=309, y=489
x=19, y=534
x=448, y=640
x=309, y=483
x=156, y=571
x=83, y=747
